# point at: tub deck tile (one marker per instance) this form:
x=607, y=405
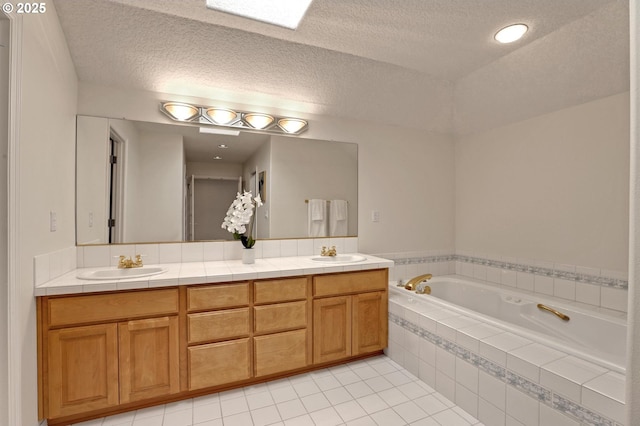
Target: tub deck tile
x=567, y=375
x=496, y=347
x=470, y=336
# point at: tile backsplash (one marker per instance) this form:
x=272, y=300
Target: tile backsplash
x=594, y=287
x=52, y=265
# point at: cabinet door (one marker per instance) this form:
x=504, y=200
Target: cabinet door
x=149, y=358
x=219, y=363
x=83, y=369
x=331, y=329
x=369, y=322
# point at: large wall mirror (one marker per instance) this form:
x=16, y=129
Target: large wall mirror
x=140, y=182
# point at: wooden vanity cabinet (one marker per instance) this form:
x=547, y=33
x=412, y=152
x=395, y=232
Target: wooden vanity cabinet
x=282, y=319
x=218, y=335
x=133, y=348
x=125, y=357
x=349, y=314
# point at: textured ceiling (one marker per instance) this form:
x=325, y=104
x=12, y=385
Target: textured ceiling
x=431, y=64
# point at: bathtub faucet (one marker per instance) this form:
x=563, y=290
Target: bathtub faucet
x=413, y=283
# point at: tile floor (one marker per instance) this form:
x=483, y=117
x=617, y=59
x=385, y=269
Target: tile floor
x=374, y=391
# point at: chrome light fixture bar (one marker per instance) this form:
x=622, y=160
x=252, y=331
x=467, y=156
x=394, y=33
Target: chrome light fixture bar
x=231, y=119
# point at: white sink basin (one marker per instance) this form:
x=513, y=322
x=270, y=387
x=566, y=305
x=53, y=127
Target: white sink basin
x=116, y=274
x=341, y=258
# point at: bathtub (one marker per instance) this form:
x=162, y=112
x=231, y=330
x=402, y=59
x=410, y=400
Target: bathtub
x=589, y=335
x=457, y=339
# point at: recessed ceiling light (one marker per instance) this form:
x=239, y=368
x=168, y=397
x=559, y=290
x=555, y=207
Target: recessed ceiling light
x=511, y=33
x=217, y=157
x=284, y=13
x=223, y=146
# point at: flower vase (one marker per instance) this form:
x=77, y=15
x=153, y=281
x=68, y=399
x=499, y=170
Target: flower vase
x=248, y=256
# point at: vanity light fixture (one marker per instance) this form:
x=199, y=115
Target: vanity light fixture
x=284, y=13
x=511, y=33
x=291, y=125
x=225, y=121
x=257, y=120
x=179, y=111
x=221, y=115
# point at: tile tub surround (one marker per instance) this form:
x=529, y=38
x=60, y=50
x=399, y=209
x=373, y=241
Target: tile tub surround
x=499, y=377
x=215, y=271
x=594, y=287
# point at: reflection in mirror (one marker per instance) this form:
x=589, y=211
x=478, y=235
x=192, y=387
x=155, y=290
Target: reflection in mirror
x=149, y=182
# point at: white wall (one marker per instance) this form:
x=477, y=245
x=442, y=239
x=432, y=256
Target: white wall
x=405, y=174
x=214, y=170
x=155, y=188
x=127, y=132
x=552, y=188
x=92, y=175
x=4, y=285
x=632, y=383
x=306, y=169
x=46, y=177
x=261, y=161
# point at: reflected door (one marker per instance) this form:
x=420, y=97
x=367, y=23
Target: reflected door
x=211, y=200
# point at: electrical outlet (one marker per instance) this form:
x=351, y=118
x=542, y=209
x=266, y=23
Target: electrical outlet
x=90, y=219
x=375, y=216
x=53, y=221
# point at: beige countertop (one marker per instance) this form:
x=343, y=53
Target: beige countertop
x=189, y=273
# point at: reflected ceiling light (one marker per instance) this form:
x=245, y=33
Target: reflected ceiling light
x=258, y=120
x=511, y=33
x=291, y=125
x=284, y=13
x=221, y=115
x=225, y=121
x=223, y=146
x=217, y=157
x=215, y=131
x=179, y=111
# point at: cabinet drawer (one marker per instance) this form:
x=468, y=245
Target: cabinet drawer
x=283, y=290
x=218, y=325
x=219, y=363
x=280, y=352
x=355, y=282
x=280, y=317
x=113, y=306
x=217, y=296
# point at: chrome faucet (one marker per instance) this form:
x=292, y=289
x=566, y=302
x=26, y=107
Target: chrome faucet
x=414, y=283
x=124, y=263
x=328, y=252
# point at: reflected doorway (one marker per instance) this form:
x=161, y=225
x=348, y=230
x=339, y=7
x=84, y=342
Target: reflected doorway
x=209, y=200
